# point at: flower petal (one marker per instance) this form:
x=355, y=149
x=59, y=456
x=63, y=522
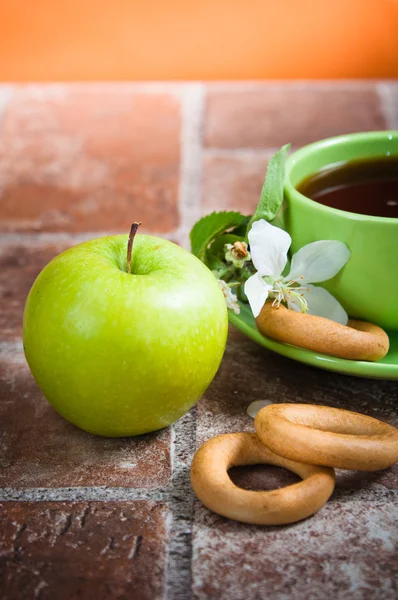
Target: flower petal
x=322, y=304
x=230, y=298
x=257, y=405
x=256, y=291
x=318, y=261
x=268, y=248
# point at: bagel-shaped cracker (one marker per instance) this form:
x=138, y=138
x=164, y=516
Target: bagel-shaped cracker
x=214, y=488
x=331, y=437
x=358, y=340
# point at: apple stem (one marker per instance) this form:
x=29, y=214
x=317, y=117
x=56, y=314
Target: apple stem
x=133, y=231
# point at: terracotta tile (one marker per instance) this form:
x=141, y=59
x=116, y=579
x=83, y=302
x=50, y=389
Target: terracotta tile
x=347, y=550
x=19, y=266
x=63, y=550
x=89, y=158
x=270, y=115
x=41, y=449
x=249, y=372
x=233, y=183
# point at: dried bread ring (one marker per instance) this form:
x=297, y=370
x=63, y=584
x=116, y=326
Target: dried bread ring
x=331, y=437
x=358, y=340
x=214, y=488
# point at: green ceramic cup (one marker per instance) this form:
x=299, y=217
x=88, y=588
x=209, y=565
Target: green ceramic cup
x=367, y=286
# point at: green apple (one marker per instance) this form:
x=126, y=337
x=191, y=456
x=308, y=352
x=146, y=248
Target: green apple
x=122, y=353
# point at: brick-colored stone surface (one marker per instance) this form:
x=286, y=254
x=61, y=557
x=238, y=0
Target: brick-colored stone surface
x=347, y=550
x=332, y=553
x=89, y=158
x=38, y=448
x=233, y=182
x=270, y=115
x=108, y=551
x=19, y=266
x=85, y=517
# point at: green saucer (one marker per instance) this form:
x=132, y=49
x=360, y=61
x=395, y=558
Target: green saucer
x=386, y=368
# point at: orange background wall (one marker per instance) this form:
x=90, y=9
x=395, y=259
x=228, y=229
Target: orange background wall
x=201, y=39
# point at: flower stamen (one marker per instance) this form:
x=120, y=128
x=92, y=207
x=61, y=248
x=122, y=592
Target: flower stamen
x=287, y=292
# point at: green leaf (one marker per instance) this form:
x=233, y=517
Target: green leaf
x=241, y=230
x=205, y=230
x=271, y=198
x=213, y=262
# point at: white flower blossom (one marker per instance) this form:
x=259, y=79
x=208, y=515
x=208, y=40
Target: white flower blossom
x=313, y=263
x=230, y=298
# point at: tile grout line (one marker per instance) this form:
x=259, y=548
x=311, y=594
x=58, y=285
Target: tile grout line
x=389, y=104
x=11, y=350
x=178, y=585
x=173, y=495
x=59, y=88
x=178, y=578
x=177, y=88
x=258, y=85
x=190, y=187
x=32, y=238
x=6, y=93
x=86, y=493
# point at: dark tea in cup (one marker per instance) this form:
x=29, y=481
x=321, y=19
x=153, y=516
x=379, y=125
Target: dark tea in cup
x=367, y=186
x=345, y=188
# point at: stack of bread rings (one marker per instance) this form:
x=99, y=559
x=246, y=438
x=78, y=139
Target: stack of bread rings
x=306, y=439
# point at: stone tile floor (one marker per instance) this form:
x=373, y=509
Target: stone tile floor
x=86, y=517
